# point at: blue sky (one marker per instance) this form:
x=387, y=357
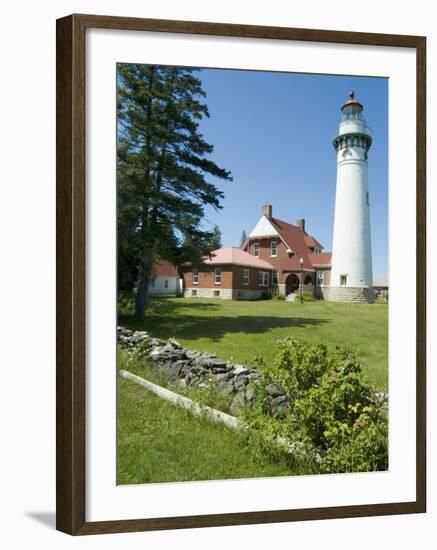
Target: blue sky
x=274, y=132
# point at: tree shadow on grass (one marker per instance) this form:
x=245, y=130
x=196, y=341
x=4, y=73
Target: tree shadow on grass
x=214, y=327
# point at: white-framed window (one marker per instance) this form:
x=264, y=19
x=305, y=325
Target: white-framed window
x=343, y=280
x=273, y=248
x=274, y=278
x=256, y=249
x=245, y=277
x=166, y=283
x=194, y=292
x=263, y=278
x=217, y=276
x=195, y=276
x=320, y=278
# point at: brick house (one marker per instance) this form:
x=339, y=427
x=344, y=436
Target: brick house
x=230, y=273
x=277, y=256
x=296, y=257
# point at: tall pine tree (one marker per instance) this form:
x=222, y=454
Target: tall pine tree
x=216, y=240
x=243, y=238
x=162, y=165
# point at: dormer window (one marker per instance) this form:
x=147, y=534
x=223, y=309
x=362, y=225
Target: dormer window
x=256, y=249
x=273, y=248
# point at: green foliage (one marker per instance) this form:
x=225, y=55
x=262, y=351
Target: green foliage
x=162, y=168
x=126, y=305
x=279, y=296
x=125, y=302
x=332, y=422
x=215, y=241
x=306, y=297
x=243, y=237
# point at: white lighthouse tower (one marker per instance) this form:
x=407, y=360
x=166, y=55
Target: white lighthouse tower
x=351, y=273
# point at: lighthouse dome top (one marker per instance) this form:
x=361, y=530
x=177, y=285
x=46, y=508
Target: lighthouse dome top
x=352, y=104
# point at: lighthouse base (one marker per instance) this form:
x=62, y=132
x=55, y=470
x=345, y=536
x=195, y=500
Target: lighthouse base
x=358, y=294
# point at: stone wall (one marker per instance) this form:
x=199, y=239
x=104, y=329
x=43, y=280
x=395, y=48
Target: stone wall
x=224, y=293
x=347, y=294
x=197, y=369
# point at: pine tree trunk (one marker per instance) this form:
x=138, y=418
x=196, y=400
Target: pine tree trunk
x=143, y=286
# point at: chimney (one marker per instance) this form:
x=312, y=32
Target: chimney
x=267, y=210
x=300, y=222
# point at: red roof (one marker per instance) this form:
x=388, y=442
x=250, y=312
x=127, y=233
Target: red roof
x=236, y=256
x=319, y=260
x=311, y=242
x=297, y=240
x=165, y=269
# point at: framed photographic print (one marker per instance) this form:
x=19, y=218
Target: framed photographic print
x=240, y=274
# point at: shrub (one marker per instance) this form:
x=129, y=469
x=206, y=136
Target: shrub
x=332, y=421
x=125, y=303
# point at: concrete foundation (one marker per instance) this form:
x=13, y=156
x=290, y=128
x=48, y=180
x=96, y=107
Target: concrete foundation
x=347, y=294
x=223, y=293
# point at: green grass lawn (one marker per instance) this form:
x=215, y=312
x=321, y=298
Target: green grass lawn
x=240, y=330
x=160, y=442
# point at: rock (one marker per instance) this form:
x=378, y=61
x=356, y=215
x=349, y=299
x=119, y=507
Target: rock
x=174, y=343
x=156, y=353
x=212, y=363
x=227, y=387
x=192, y=353
x=237, y=404
x=139, y=336
x=280, y=400
x=249, y=394
x=280, y=405
x=240, y=369
x=274, y=390
x=240, y=382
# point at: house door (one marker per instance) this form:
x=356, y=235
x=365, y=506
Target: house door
x=291, y=283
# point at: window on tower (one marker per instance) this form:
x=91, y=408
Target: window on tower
x=256, y=249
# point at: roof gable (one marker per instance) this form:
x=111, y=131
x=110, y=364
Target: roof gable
x=263, y=228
